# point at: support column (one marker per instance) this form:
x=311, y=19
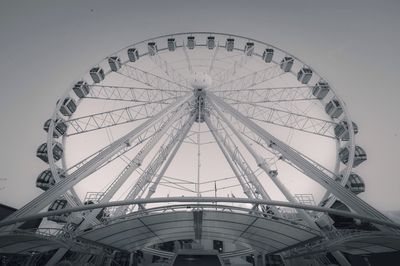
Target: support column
x=131, y=258
x=110, y=259
x=259, y=259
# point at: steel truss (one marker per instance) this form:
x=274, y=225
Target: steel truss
x=286, y=119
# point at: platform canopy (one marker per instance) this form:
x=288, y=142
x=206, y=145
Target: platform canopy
x=367, y=243
x=265, y=234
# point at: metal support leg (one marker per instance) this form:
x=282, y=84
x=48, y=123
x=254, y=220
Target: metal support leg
x=299, y=161
x=245, y=187
x=256, y=188
x=130, y=168
x=131, y=258
x=263, y=165
x=185, y=131
x=154, y=165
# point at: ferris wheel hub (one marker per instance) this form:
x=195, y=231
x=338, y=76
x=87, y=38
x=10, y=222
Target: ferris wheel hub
x=200, y=80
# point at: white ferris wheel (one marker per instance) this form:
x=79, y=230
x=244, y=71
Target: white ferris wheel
x=199, y=148
x=198, y=115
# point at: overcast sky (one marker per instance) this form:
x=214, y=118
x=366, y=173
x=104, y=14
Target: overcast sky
x=45, y=45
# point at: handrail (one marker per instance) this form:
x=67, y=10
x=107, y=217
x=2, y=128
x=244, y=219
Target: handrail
x=201, y=200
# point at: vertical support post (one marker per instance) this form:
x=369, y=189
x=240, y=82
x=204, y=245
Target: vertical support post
x=131, y=258
x=259, y=260
x=111, y=258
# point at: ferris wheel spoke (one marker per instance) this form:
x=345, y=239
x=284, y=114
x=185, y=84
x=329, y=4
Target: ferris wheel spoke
x=211, y=68
x=150, y=79
x=131, y=94
x=250, y=80
x=177, y=186
x=286, y=119
x=269, y=95
x=170, y=71
x=227, y=74
x=114, y=117
x=188, y=62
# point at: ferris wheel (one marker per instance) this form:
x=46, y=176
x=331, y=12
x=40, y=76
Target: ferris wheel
x=198, y=136
x=199, y=114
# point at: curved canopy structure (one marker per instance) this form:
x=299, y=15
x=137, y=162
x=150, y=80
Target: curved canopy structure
x=262, y=233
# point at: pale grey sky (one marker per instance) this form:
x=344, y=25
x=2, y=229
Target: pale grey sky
x=45, y=45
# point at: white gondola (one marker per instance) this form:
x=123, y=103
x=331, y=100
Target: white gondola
x=304, y=75
x=359, y=155
x=115, y=63
x=41, y=152
x=334, y=109
x=210, y=42
x=267, y=55
x=342, y=130
x=45, y=180
x=60, y=127
x=81, y=89
x=68, y=107
x=58, y=204
x=287, y=63
x=152, y=48
x=230, y=44
x=249, y=48
x=133, y=54
x=97, y=74
x=354, y=183
x=171, y=44
x=191, y=43
x=320, y=90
